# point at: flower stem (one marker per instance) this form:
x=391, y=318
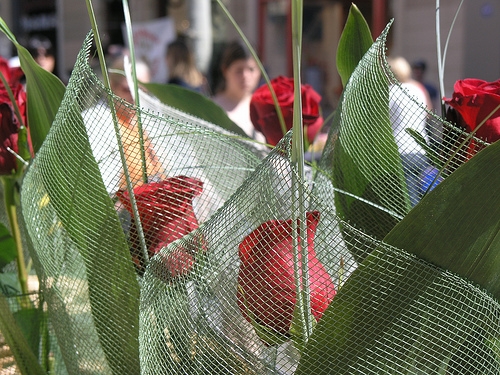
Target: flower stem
x=130, y=36
x=441, y=55
x=10, y=191
x=298, y=178
x=112, y=108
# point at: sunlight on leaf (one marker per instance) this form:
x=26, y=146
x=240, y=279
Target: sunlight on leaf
x=355, y=40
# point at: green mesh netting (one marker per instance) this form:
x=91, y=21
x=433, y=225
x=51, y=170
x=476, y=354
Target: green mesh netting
x=25, y=315
x=217, y=296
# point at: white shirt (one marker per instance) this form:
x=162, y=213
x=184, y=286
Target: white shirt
x=407, y=106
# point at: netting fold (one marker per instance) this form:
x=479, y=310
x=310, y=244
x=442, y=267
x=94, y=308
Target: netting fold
x=85, y=259
x=193, y=324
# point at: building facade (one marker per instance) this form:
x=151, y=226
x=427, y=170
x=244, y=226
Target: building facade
x=264, y=22
x=472, y=50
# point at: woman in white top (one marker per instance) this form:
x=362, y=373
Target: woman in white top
x=407, y=110
x=241, y=75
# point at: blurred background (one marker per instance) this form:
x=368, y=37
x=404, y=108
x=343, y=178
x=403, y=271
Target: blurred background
x=474, y=47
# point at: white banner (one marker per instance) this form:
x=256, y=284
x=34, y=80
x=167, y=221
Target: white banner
x=150, y=40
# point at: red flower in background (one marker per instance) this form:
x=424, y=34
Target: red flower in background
x=472, y=102
x=9, y=123
x=266, y=283
x=166, y=212
x=264, y=116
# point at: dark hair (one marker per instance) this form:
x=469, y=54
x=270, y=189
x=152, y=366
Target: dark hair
x=40, y=45
x=234, y=51
x=419, y=64
x=231, y=52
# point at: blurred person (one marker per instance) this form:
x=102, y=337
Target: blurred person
x=435, y=131
x=102, y=136
x=42, y=50
x=118, y=80
x=182, y=69
x=419, y=69
x=240, y=77
x=407, y=110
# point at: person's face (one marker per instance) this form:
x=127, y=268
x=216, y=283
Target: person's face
x=418, y=74
x=120, y=87
x=242, y=76
x=47, y=62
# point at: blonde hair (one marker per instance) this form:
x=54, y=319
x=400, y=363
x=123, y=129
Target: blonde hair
x=401, y=68
x=181, y=64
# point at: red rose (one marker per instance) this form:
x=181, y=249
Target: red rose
x=265, y=119
x=474, y=100
x=266, y=283
x=167, y=214
x=9, y=123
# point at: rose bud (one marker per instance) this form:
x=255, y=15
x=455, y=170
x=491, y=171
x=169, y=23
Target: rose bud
x=473, y=101
x=9, y=123
x=166, y=212
x=265, y=119
x=266, y=284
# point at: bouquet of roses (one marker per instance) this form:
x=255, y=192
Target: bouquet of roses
x=248, y=264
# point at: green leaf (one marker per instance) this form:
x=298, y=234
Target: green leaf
x=26, y=360
x=9, y=284
x=266, y=334
x=29, y=321
x=89, y=218
x=66, y=177
x=7, y=247
x=397, y=315
x=195, y=104
x=44, y=92
x=457, y=226
x=355, y=40
x=364, y=163
x=431, y=154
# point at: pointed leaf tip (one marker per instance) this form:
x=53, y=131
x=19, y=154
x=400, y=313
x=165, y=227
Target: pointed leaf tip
x=355, y=40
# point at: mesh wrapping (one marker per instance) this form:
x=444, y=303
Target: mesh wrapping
x=113, y=312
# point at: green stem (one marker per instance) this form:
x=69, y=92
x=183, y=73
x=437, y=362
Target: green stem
x=442, y=55
x=130, y=36
x=10, y=191
x=112, y=108
x=298, y=178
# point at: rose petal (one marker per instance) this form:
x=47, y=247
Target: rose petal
x=263, y=113
x=266, y=284
x=165, y=209
x=474, y=100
